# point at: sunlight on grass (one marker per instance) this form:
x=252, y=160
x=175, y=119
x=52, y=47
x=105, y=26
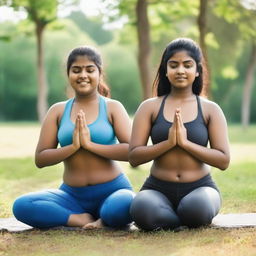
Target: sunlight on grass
x=238, y=135
x=237, y=184
x=199, y=242
x=19, y=175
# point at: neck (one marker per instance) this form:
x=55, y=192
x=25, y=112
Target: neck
x=181, y=93
x=87, y=98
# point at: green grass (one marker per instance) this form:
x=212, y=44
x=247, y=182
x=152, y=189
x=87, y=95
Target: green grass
x=20, y=123
x=198, y=242
x=238, y=135
x=237, y=185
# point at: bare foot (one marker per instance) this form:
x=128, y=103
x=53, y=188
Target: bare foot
x=80, y=220
x=94, y=225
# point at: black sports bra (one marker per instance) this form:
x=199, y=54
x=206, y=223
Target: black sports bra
x=197, y=130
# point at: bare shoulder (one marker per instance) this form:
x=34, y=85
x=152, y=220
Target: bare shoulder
x=151, y=104
x=209, y=105
x=210, y=109
x=114, y=106
x=56, y=110
x=112, y=102
x=57, y=107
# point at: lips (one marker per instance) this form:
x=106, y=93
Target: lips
x=83, y=82
x=180, y=79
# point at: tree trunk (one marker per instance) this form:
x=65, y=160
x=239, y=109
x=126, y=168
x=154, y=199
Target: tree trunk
x=42, y=104
x=202, y=26
x=247, y=90
x=143, y=31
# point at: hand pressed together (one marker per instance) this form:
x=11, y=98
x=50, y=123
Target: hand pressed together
x=177, y=132
x=81, y=135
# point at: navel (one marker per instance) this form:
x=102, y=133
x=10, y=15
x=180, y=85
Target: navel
x=178, y=176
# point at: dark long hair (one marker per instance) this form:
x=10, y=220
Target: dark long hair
x=93, y=55
x=161, y=84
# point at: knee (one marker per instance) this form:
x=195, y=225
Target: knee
x=199, y=207
x=151, y=210
x=115, y=210
x=21, y=208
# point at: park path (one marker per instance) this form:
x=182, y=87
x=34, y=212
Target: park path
x=20, y=141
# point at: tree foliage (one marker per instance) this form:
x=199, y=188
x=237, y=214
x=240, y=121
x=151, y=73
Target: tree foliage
x=229, y=38
x=93, y=27
x=243, y=15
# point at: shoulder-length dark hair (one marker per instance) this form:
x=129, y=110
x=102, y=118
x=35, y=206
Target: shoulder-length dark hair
x=161, y=84
x=93, y=55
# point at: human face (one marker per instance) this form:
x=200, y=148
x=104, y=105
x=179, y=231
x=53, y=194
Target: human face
x=84, y=76
x=181, y=70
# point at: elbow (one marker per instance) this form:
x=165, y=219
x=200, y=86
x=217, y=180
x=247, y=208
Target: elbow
x=224, y=163
x=132, y=160
x=223, y=167
x=133, y=164
x=39, y=164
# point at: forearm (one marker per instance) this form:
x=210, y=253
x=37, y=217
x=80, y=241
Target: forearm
x=143, y=154
x=53, y=156
x=210, y=156
x=114, y=152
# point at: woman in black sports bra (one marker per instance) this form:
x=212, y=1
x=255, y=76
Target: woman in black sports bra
x=179, y=190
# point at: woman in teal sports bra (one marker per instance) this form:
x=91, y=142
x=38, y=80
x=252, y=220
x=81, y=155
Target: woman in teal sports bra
x=94, y=192
x=179, y=190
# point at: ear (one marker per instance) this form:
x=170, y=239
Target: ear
x=197, y=74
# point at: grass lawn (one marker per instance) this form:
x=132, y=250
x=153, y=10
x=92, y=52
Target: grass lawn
x=19, y=175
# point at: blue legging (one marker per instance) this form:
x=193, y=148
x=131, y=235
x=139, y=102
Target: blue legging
x=109, y=201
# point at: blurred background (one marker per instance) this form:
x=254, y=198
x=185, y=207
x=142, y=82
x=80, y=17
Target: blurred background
x=36, y=37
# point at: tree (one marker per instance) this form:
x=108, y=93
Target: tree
x=92, y=26
x=137, y=11
x=244, y=17
x=168, y=12
x=202, y=27
x=18, y=74
x=248, y=86
x=143, y=32
x=41, y=13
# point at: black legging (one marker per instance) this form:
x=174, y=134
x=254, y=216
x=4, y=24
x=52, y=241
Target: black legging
x=152, y=209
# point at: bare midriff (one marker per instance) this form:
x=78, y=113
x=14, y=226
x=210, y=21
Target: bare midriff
x=85, y=168
x=177, y=165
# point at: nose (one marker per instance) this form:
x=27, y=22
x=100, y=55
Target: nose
x=83, y=73
x=180, y=69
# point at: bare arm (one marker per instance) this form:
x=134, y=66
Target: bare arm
x=122, y=127
x=47, y=152
x=139, y=152
x=218, y=155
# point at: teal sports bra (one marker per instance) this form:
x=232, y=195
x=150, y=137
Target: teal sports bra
x=101, y=130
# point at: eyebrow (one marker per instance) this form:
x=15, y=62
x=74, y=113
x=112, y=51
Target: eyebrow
x=88, y=66
x=173, y=61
